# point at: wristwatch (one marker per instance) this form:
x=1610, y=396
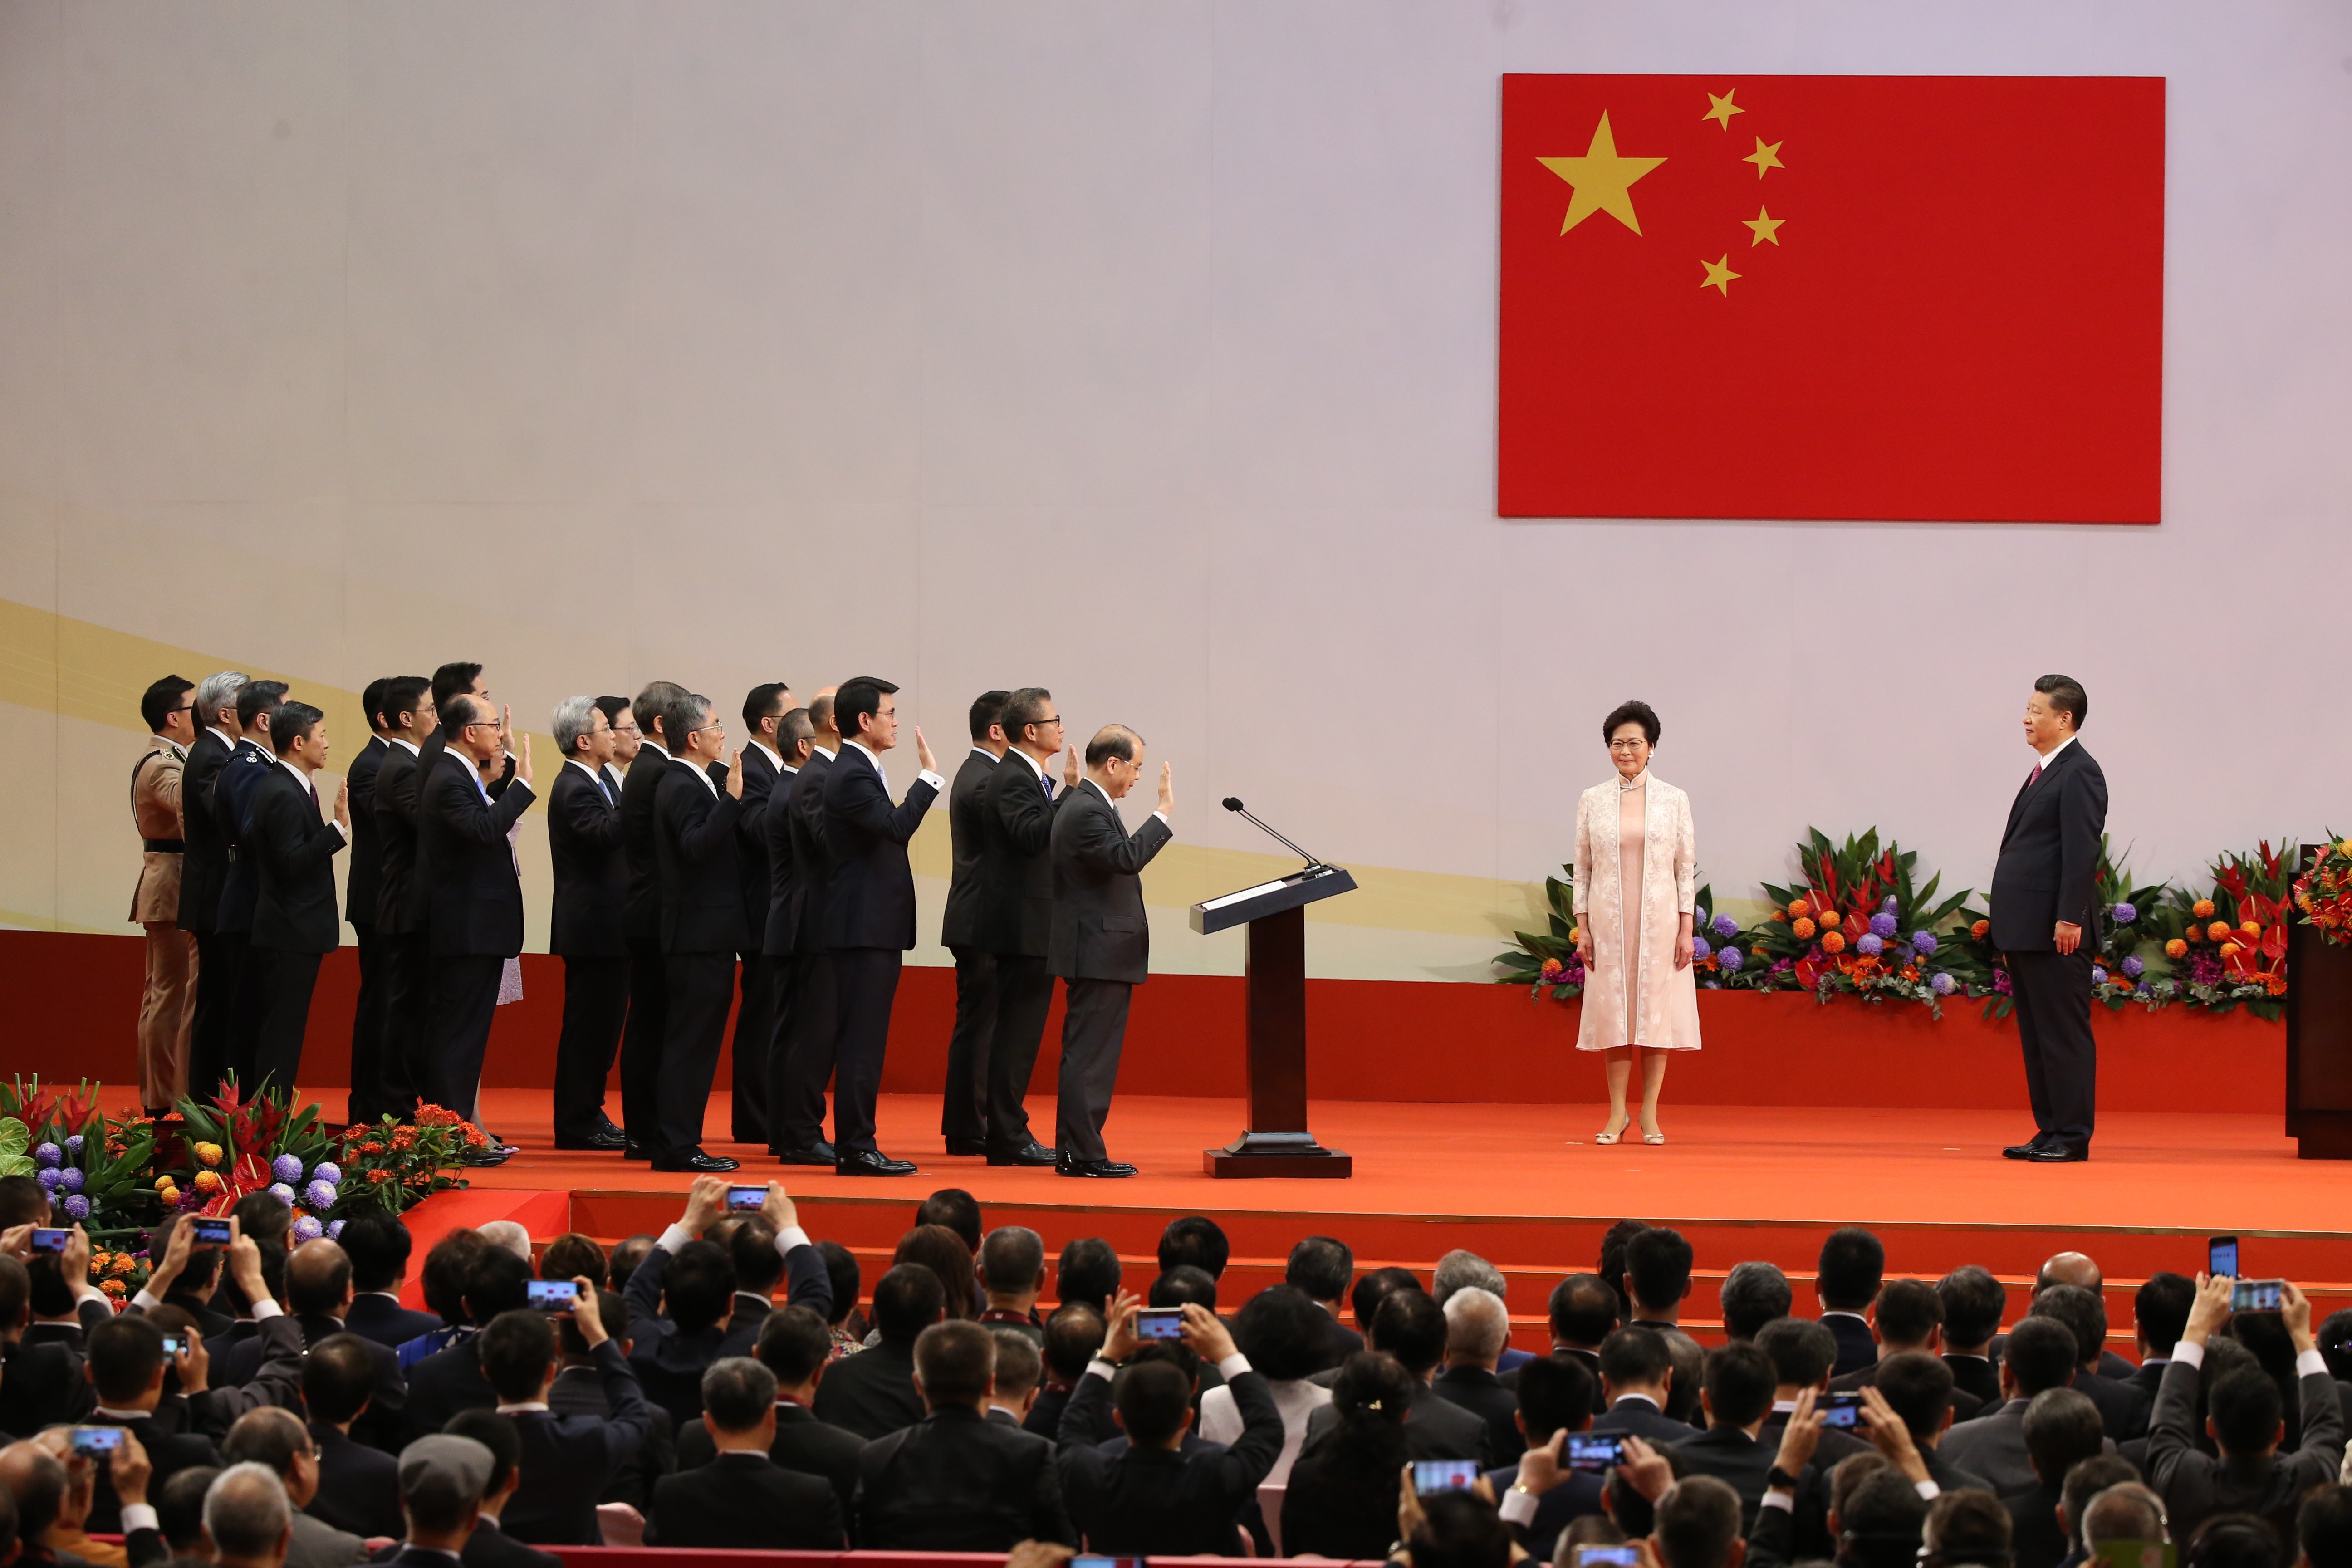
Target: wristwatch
x=1778, y=1479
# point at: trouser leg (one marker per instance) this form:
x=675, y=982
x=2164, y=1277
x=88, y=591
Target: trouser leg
x=1094, y=1028
x=1025, y=990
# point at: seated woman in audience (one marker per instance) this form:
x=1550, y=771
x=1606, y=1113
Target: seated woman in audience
x=1286, y=1336
x=1341, y=1500
x=942, y=1251
x=847, y=1324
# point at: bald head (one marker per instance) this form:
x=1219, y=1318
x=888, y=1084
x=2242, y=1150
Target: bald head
x=318, y=1279
x=820, y=714
x=2069, y=1268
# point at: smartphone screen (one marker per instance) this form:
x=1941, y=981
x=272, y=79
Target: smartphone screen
x=2257, y=1295
x=1594, y=1451
x=2221, y=1255
x=1843, y=1410
x=1608, y=1557
x=96, y=1439
x=47, y=1240
x=1432, y=1476
x=1106, y=1563
x=553, y=1295
x=742, y=1200
x=210, y=1232
x=1159, y=1323
x=175, y=1345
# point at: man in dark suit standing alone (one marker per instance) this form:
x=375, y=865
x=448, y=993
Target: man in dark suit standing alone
x=869, y=916
x=591, y=884
x=204, y=867
x=360, y=887
x=294, y=915
x=763, y=710
x=2041, y=891
x=1014, y=923
x=701, y=927
x=401, y=897
x=1101, y=944
x=796, y=1097
x=964, y=1113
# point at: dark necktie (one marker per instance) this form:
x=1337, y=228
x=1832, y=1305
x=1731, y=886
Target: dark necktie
x=1048, y=782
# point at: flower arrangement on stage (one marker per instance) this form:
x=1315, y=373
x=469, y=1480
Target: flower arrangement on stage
x=2127, y=914
x=91, y=1167
x=1547, y=964
x=2324, y=893
x=392, y=1164
x=1859, y=925
x=2227, y=948
x=1726, y=954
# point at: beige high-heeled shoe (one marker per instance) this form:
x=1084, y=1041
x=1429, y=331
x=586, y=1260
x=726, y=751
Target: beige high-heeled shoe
x=1607, y=1138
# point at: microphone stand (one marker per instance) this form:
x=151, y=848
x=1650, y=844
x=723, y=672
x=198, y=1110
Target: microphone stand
x=1315, y=867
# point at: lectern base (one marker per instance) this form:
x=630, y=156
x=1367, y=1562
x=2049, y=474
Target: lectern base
x=1292, y=1154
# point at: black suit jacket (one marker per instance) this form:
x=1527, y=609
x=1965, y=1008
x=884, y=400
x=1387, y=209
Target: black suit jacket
x=488, y=1547
x=641, y=919
x=445, y=1382
x=955, y=1482
x=2049, y=854
x=385, y=1320
x=1014, y=910
x=1137, y=1503
x=2036, y=1539
x=871, y=1393
x=359, y=1487
x=386, y=1419
x=365, y=875
x=1964, y=1403
x=42, y=1385
x=1644, y=1420
x=476, y=894
x=203, y=860
x=2196, y=1486
x=870, y=895
x=1099, y=931
x=567, y=1459
x=1481, y=1393
x=696, y=863
x=1731, y=1455
x=669, y=1361
x=2123, y=1408
x=812, y=854
x=400, y=892
x=759, y=776
x=780, y=930
x=802, y=1443
x=169, y=1453
x=295, y=853
x=592, y=872
x=742, y=1501
x=232, y=807
x=1434, y=1429
x=1857, y=1346
x=1978, y=1376
x=965, y=837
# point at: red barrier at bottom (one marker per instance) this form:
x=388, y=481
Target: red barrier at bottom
x=676, y=1556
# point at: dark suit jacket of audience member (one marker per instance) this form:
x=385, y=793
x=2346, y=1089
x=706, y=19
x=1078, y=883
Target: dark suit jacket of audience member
x=232, y=813
x=1152, y=1501
x=380, y=1424
x=1014, y=910
x=1732, y=1456
x=1578, y=1494
x=270, y=1360
x=2036, y=1539
x=476, y=896
x=209, y=1323
x=742, y=1501
x=168, y=1453
x=445, y=1382
x=1509, y=1376
x=374, y=1315
x=1099, y=931
x=488, y=1547
x=592, y=872
x=1965, y=1406
x=802, y=1443
x=1481, y=1393
x=779, y=927
x=1833, y=1447
x=1857, y=1347
x=365, y=873
x=567, y=1460
x=759, y=777
x=2123, y=1409
x=1638, y=1415
x=871, y=1393
x=966, y=836
x=957, y=1482
x=1978, y=1376
x=359, y=1487
x=2196, y=1486
x=870, y=897
x=811, y=856
x=42, y=1385
x=580, y=1391
x=669, y=1362
x=204, y=862
x=1994, y=1445
x=1434, y=1429
x=401, y=893
x=695, y=857
x=641, y=918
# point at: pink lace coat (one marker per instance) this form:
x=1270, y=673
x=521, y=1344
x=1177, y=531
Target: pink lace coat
x=1665, y=998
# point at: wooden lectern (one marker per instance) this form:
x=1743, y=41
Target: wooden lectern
x=1277, y=1142
x=2318, y=1042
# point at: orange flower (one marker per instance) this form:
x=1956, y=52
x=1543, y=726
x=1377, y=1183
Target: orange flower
x=2175, y=948
x=2221, y=931
x=112, y=1286
x=1799, y=909
x=378, y=1176
x=370, y=1147
x=1979, y=929
x=208, y=1180
x=1833, y=941
x=1575, y=933
x=2229, y=950
x=2251, y=928
x=2202, y=909
x=2274, y=983
x=1802, y=930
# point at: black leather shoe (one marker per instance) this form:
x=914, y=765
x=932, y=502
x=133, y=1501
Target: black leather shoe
x=605, y=1137
x=872, y=1162
x=698, y=1161
x=633, y=1150
x=2020, y=1150
x=1106, y=1168
x=967, y=1145
x=2058, y=1155
x=496, y=1154
x=818, y=1154
x=1032, y=1153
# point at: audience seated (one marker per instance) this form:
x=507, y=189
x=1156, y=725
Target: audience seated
x=1740, y=1380
x=1698, y=1525
x=1477, y=1332
x=1020, y=1376
x=955, y=1210
x=621, y=1263
x=2078, y=1269
x=1853, y=1265
x=2087, y=1479
x=1073, y=1334
x=1011, y=1270
x=845, y=1322
x=278, y=1440
x=2125, y=1510
x=359, y=1485
x=2062, y=1432
x=1582, y=1312
x=1556, y=1399
x=2323, y=1528
x=742, y=1498
x=1918, y=1387
x=1196, y=1241
x=56, y=1503
x=1658, y=1278
x=1285, y=1334
x=942, y=1251
x=1341, y=1499
x=2160, y=1312
x=378, y=1246
x=318, y=1295
x=2234, y=1541
x=1973, y=1304
x=567, y=1459
x=1088, y=1271
x=248, y=1520
x=955, y=1481
x=1908, y=1316
x=39, y=1384
x=1802, y=1353
x=199, y=1278
x=1613, y=1242
x=2122, y=1407
x=1636, y=1368
x=1409, y=1327
x=580, y=1391
x=1753, y=1295
x=794, y=1346
x=444, y=1479
x=126, y=1368
x=873, y=1392
x=1457, y=1530
x=490, y=1546
x=759, y=1265
x=572, y=1255
x=1967, y=1526
x=448, y=1273
x=2040, y=1355
x=446, y=1381
x=1325, y=1269
x=179, y=1505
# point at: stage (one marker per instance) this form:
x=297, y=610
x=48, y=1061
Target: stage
x=1526, y=1187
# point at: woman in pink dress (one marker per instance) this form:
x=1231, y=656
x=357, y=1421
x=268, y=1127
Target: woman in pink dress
x=1636, y=882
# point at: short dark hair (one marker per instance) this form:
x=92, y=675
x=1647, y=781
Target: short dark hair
x=1088, y=1271
x=1698, y=1521
x=572, y=1255
x=2324, y=1525
x=1411, y=1326
x=256, y=697
x=1658, y=1268
x=1853, y=1265
x=752, y=1249
x=1632, y=1510
x=23, y=1201
x=2062, y=1427
x=39, y=1496
x=1803, y=1350
x=957, y=1210
x=1919, y=1388
x=1625, y=713
x=859, y=699
x=1583, y=1310
x=161, y=700
x=681, y=716
x=1882, y=1520
x=338, y=1378
x=458, y=712
x=2081, y=1311
x=1968, y=1524
x=765, y=700
x=943, y=1252
x=1154, y=1401
x=1321, y=1266
x=1182, y=1284
x=378, y=1245
x=1973, y=1304
x=612, y=707
x=2085, y=1478
x=984, y=711
x=1284, y=1332
x=1739, y=1381
x=1023, y=706
x=1635, y=1354
x=794, y=1343
x=1753, y=1295
x=2041, y=1353
x=292, y=718
x=2066, y=696
x=518, y=1349
x=956, y=1361
x=2245, y=1405
x=611, y=1310
x=495, y=1432
x=453, y=679
x=401, y=695
x=1112, y=740
x=1459, y=1530
x=448, y=1264
x=1374, y=1287
x=700, y=1285
x=179, y=1500
x=1613, y=1242
x=2161, y=1307
x=125, y=1356
x=737, y=1393
x=908, y=1300
x=372, y=701
x=841, y=1269
x=2234, y=1541
x=1908, y=1310
x=1198, y=1240
x=498, y=1281
x=1073, y=1334
x=1555, y=1390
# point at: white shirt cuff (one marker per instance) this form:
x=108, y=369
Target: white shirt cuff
x=1517, y=1506
x=140, y=1516
x=791, y=1235
x=144, y=1301
x=339, y=827
x=1780, y=1498
x=673, y=1239
x=1928, y=1490
x=2194, y=1354
x=932, y=779
x=1164, y=822
x=265, y=1309
x=1102, y=1369
x=1233, y=1366
x=2311, y=1363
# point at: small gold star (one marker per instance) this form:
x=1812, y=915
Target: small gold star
x=1723, y=109
x=1766, y=226
x=1764, y=157
x=1718, y=276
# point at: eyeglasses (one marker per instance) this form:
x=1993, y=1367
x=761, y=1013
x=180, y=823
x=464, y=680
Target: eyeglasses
x=1627, y=745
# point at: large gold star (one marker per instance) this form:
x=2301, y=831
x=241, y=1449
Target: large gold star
x=1764, y=157
x=1766, y=226
x=1718, y=275
x=1603, y=181
x=1722, y=109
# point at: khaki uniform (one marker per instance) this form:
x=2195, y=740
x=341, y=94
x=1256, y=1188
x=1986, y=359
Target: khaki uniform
x=167, y=1008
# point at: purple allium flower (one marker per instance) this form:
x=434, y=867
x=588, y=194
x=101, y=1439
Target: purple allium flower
x=75, y=1206
x=282, y=1193
x=1872, y=945
x=1881, y=925
x=1730, y=959
x=2098, y=974
x=2133, y=968
x=319, y=1195
x=2124, y=914
x=1700, y=949
x=46, y=1154
x=285, y=1168
x=1889, y=906
x=327, y=1171
x=50, y=1176
x=334, y=1229
x=308, y=1228
x=70, y=1178
x=73, y=1144
x=2146, y=989
x=1942, y=984
x=1922, y=942
x=2001, y=986
x=1725, y=926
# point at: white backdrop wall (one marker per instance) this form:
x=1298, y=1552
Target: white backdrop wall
x=1146, y=350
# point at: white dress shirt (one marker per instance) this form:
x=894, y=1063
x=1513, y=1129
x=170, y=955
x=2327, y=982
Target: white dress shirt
x=313, y=791
x=1114, y=804
x=927, y=776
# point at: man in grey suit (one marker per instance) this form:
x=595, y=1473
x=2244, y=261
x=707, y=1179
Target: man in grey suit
x=1101, y=944
x=2040, y=1356
x=964, y=1113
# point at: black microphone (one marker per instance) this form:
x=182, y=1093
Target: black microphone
x=1232, y=803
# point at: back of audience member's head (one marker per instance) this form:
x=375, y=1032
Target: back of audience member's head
x=2040, y=1354
x=1688, y=1358
x=263, y=1216
x=1740, y=1380
x=2121, y=1510
x=1849, y=1473
x=1973, y=1304
x=498, y=1281
x=379, y=1246
x=942, y=1251
x=737, y=1394
x=632, y=1250
x=1802, y=1350
x=1753, y=1295
x=318, y=1276
x=2234, y=1541
x=1555, y=1393
x=495, y=1432
x=752, y=1249
x=2087, y=1478
x=1461, y=1269
x=1020, y=1366
x=1411, y=1327
x=1635, y=1357
x=956, y=1211
x=2324, y=1525
x=510, y=1235
x=840, y=1267
x=1477, y=1327
x=1697, y=1524
x=1182, y=1284
x=906, y=1300
x=1088, y=1271
x=1634, y=1513
x=517, y=1351
x=1658, y=1269
x=955, y=1361
x=1966, y=1525
x=1908, y=1312
x=1073, y=1335
x=2161, y=1307
x=434, y=1494
x=1373, y=1287
x=1368, y=1399
x=1154, y=1401
x=125, y=1358
x=1613, y=1261
x=1880, y=1523
x=612, y=1311
x=1853, y=1265
x=246, y=1511
x=338, y=1378
x=180, y=1508
x=1197, y=1241
x=23, y=1201
x=2246, y=1413
x=1460, y=1529
x=1582, y=1312
x=2335, y=1337
x=2081, y=1311
x=201, y=1272
x=1585, y=1530
x=1284, y=1332
x=269, y=1434
x=1918, y=1387
x=1012, y=1261
x=1322, y=1265
x=572, y=1255
x=448, y=1265
x=794, y=1343
x=699, y=1288
x=36, y=1484
x=2062, y=1428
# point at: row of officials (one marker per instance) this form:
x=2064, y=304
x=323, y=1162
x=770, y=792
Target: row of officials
x=690, y=878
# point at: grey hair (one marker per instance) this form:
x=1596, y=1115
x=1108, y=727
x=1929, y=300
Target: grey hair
x=215, y=692
x=574, y=717
x=1459, y=1268
x=246, y=1510
x=2124, y=1513
x=1478, y=1323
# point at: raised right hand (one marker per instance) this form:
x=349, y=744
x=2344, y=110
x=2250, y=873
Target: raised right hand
x=1168, y=788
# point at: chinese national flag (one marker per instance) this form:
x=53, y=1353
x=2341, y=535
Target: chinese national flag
x=1923, y=297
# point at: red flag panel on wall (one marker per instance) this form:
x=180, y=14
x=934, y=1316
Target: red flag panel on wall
x=1906, y=297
